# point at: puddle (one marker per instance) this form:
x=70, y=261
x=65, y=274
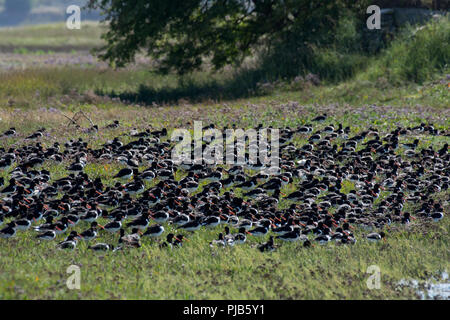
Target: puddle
x=430, y=290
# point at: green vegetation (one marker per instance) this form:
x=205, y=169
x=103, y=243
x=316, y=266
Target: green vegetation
x=408, y=67
x=394, y=87
x=418, y=54
x=285, y=39
x=29, y=269
x=182, y=35
x=38, y=271
x=54, y=37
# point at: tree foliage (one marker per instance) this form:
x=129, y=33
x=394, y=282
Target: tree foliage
x=180, y=34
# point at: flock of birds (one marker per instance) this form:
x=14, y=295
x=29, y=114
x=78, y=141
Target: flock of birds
x=243, y=200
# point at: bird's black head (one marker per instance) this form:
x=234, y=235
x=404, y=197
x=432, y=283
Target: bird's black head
x=170, y=237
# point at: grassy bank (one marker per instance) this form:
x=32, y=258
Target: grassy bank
x=379, y=95
x=414, y=66
x=29, y=269
x=50, y=37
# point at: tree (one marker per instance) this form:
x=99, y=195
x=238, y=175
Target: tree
x=180, y=34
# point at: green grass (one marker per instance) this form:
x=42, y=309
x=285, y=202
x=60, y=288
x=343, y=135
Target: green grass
x=32, y=97
x=45, y=87
x=198, y=272
x=55, y=37
x=33, y=270
x=417, y=54
x=414, y=65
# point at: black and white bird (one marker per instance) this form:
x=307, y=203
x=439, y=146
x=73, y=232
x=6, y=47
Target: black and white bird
x=411, y=146
x=46, y=235
x=36, y=135
x=241, y=236
x=9, y=189
x=211, y=222
x=9, y=231
x=160, y=216
x=181, y=219
x=140, y=223
x=10, y=132
x=114, y=226
x=90, y=233
x=147, y=175
x=154, y=231
x=135, y=187
x=323, y=238
x=375, y=237
x=70, y=243
x=125, y=174
x=193, y=225
x=101, y=247
x=259, y=231
x=268, y=246
x=292, y=236
x=320, y=118
x=5, y=164
x=437, y=216
x=90, y=216
x=23, y=224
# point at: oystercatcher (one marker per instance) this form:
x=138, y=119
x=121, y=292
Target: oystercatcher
x=115, y=225
x=259, y=231
x=168, y=242
x=46, y=235
x=240, y=237
x=90, y=233
x=5, y=164
x=321, y=118
x=375, y=237
x=411, y=146
x=154, y=231
x=160, y=216
x=101, y=247
x=292, y=236
x=140, y=223
x=268, y=246
x=9, y=231
x=90, y=216
x=211, y=222
x=191, y=225
x=70, y=242
x=324, y=238
x=23, y=224
x=181, y=219
x=125, y=174
x=10, y=132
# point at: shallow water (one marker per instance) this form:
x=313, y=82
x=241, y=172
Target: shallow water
x=430, y=290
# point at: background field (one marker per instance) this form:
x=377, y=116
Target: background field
x=42, y=80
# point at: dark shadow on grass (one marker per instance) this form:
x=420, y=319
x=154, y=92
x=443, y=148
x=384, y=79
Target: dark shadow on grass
x=243, y=85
